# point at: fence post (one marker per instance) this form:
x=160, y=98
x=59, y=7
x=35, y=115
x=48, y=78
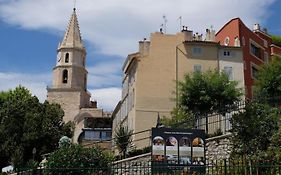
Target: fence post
x=225, y=167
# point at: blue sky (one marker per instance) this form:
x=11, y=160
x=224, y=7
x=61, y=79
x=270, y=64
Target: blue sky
x=31, y=30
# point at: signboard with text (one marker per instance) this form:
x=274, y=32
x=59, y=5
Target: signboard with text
x=174, y=146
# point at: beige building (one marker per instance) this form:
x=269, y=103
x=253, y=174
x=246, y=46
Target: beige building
x=69, y=89
x=149, y=82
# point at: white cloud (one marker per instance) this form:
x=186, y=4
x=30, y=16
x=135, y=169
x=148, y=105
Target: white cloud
x=36, y=83
x=107, y=98
x=115, y=26
x=104, y=74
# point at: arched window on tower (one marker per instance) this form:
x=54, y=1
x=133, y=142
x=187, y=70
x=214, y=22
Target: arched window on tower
x=66, y=60
x=64, y=76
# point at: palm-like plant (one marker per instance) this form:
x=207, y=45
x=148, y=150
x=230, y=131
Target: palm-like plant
x=123, y=138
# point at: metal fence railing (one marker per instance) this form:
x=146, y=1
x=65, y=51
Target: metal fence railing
x=222, y=167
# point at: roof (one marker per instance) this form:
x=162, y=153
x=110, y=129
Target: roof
x=72, y=37
x=228, y=23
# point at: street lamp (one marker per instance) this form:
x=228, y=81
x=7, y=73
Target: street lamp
x=177, y=71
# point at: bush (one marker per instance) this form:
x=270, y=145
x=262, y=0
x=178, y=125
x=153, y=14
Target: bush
x=78, y=160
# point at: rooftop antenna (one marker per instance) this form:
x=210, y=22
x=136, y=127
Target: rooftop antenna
x=165, y=23
x=180, y=19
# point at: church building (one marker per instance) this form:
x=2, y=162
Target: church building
x=69, y=89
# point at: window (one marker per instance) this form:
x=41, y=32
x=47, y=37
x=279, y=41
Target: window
x=197, y=68
x=92, y=135
x=226, y=53
x=226, y=41
x=255, y=50
x=254, y=72
x=64, y=76
x=97, y=135
x=66, y=60
x=229, y=72
x=197, y=51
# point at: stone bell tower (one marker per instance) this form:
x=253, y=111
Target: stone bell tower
x=69, y=87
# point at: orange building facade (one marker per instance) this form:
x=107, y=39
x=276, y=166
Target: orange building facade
x=256, y=45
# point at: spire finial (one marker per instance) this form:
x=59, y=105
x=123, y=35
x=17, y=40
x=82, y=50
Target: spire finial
x=74, y=5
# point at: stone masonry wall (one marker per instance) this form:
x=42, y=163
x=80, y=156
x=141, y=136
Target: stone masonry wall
x=218, y=148
x=134, y=165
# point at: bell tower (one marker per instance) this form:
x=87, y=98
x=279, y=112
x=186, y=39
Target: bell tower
x=70, y=71
x=69, y=86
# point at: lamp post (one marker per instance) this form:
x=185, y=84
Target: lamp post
x=177, y=71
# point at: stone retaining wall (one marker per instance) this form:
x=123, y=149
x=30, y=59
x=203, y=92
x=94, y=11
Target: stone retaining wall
x=218, y=148
x=137, y=165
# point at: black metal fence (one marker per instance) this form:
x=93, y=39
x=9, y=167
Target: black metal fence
x=222, y=167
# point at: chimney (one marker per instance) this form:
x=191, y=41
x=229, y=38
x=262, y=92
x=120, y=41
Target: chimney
x=144, y=47
x=187, y=33
x=256, y=27
x=210, y=35
x=197, y=37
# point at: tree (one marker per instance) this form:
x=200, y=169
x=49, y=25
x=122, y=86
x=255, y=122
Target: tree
x=76, y=160
x=25, y=124
x=202, y=93
x=180, y=118
x=253, y=129
x=123, y=138
x=268, y=83
x=276, y=40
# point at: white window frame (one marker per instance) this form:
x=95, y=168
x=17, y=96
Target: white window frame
x=196, y=66
x=230, y=74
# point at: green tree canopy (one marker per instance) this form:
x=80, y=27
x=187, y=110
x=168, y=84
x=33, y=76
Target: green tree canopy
x=208, y=91
x=202, y=93
x=76, y=160
x=25, y=124
x=276, y=40
x=268, y=83
x=253, y=129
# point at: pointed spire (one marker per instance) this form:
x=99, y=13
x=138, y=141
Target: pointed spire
x=72, y=36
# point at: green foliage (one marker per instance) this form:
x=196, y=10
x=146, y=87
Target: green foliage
x=253, y=129
x=123, y=139
x=276, y=40
x=269, y=79
x=204, y=92
x=136, y=152
x=25, y=123
x=180, y=118
x=78, y=160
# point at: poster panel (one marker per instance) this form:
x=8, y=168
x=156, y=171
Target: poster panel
x=185, y=151
x=172, y=150
x=198, y=151
x=158, y=149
